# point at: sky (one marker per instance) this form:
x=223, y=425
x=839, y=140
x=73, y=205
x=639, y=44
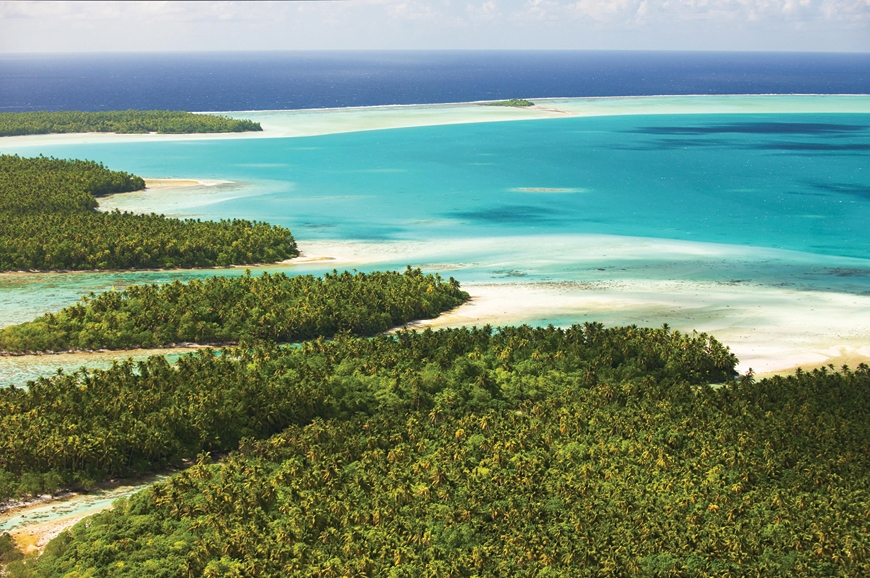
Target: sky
x=764, y=25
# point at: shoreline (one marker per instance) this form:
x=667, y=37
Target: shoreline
x=300, y=260
x=293, y=123
x=34, y=523
x=173, y=183
x=772, y=328
x=184, y=347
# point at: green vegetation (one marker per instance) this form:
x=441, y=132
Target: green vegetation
x=466, y=452
x=455, y=453
x=120, y=121
x=48, y=221
x=516, y=102
x=75, y=429
x=528, y=452
x=238, y=309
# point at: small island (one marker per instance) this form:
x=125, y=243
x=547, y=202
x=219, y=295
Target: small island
x=121, y=122
x=514, y=102
x=49, y=222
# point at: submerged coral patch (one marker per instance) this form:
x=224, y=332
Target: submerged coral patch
x=549, y=190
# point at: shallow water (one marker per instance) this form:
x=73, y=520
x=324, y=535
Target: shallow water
x=71, y=507
x=774, y=200
x=792, y=181
x=19, y=369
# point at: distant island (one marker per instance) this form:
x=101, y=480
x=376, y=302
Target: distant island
x=515, y=102
x=120, y=121
x=49, y=222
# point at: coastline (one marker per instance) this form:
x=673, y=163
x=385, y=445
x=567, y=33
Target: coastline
x=301, y=259
x=323, y=121
x=691, y=286
x=35, y=523
x=161, y=195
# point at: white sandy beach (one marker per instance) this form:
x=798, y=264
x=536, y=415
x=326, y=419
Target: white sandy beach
x=176, y=183
x=162, y=195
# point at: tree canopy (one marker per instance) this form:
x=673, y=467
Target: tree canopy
x=520, y=452
x=49, y=221
x=515, y=102
x=120, y=121
x=222, y=310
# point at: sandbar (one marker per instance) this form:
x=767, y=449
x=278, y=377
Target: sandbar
x=171, y=183
x=313, y=122
x=162, y=195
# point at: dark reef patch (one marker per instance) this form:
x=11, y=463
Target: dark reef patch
x=510, y=214
x=847, y=272
x=806, y=128
x=811, y=146
x=862, y=191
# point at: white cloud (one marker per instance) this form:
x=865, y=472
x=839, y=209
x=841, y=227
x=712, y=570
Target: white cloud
x=628, y=11
x=582, y=24
x=412, y=11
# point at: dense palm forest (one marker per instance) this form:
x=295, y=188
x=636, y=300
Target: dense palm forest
x=48, y=221
x=467, y=452
x=76, y=429
x=221, y=310
x=120, y=121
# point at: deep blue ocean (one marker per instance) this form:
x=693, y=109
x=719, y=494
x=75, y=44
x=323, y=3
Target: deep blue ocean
x=293, y=80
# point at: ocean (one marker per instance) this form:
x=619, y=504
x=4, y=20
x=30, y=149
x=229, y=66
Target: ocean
x=294, y=80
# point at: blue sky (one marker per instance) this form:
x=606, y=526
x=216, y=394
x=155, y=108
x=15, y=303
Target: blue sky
x=790, y=25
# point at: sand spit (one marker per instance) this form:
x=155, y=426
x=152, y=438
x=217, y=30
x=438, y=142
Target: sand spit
x=313, y=122
x=176, y=183
x=175, y=197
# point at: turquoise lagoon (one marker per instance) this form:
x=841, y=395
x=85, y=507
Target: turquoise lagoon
x=697, y=208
